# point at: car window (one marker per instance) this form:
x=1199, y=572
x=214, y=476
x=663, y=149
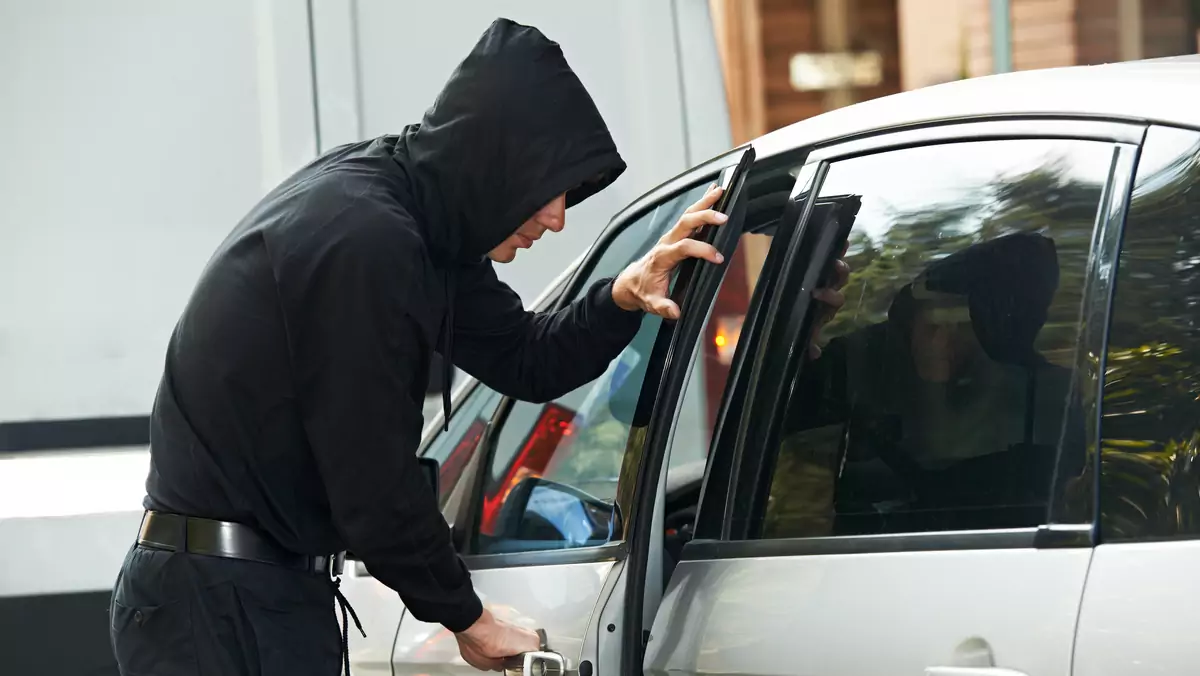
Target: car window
x=454, y=447
x=1150, y=430
x=552, y=479
x=946, y=386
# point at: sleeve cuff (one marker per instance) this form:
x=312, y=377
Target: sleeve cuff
x=608, y=309
x=465, y=615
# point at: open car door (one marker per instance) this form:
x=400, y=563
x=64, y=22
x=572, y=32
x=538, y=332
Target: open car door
x=554, y=487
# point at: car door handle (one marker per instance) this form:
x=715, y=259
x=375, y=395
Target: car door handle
x=540, y=662
x=536, y=663
x=971, y=671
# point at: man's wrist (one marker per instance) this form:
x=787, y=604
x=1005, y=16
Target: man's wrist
x=483, y=619
x=623, y=297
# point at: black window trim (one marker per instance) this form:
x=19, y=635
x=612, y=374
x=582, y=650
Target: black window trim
x=720, y=469
x=1126, y=139
x=1098, y=293
x=612, y=551
x=1015, y=538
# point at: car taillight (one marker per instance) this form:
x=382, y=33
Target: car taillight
x=546, y=437
x=725, y=338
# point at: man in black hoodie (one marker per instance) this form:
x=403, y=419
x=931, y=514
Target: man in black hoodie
x=285, y=425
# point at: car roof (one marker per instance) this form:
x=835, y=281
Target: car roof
x=1162, y=90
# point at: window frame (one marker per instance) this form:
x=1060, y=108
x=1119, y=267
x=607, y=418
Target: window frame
x=722, y=494
x=486, y=449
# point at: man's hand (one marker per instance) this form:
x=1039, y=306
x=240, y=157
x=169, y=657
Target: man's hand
x=833, y=298
x=644, y=285
x=485, y=644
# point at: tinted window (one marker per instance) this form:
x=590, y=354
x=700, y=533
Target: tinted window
x=1150, y=485
x=947, y=385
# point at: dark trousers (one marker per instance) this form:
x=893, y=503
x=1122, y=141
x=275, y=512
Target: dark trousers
x=175, y=613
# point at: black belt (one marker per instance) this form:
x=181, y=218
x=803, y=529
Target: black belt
x=177, y=533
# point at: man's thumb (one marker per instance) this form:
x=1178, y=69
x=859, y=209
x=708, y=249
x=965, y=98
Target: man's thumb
x=665, y=307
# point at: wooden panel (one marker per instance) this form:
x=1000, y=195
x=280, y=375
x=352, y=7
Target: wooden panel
x=792, y=26
x=1043, y=33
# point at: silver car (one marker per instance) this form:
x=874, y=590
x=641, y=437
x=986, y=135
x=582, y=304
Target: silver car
x=989, y=470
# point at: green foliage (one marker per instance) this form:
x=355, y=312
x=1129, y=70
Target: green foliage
x=1150, y=483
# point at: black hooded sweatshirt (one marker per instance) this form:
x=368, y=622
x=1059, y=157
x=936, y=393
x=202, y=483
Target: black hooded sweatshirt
x=292, y=391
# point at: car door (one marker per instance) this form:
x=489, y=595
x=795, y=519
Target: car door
x=542, y=525
x=1139, y=605
x=915, y=499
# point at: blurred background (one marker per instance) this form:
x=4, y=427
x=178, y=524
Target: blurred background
x=136, y=133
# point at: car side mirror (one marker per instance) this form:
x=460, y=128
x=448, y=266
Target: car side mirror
x=539, y=509
x=431, y=470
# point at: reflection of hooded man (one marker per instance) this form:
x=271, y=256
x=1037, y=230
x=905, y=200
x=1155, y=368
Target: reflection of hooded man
x=949, y=403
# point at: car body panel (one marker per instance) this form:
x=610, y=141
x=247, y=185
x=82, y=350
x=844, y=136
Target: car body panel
x=868, y=614
x=559, y=599
x=1139, y=610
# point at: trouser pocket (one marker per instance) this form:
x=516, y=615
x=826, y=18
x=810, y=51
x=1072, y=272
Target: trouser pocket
x=153, y=639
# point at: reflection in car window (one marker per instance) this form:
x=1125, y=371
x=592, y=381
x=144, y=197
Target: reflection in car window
x=946, y=386
x=1150, y=434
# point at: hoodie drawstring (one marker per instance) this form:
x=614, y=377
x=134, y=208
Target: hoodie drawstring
x=445, y=348
x=345, y=606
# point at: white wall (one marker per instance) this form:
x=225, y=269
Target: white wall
x=135, y=134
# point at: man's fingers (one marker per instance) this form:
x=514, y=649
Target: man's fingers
x=831, y=297
x=710, y=198
x=841, y=273
x=664, y=307
x=529, y=640
x=688, y=248
x=688, y=224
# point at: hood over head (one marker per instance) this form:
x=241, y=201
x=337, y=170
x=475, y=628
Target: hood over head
x=512, y=129
x=1008, y=284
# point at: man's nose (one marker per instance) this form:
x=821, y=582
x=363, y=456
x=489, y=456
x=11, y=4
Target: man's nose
x=553, y=216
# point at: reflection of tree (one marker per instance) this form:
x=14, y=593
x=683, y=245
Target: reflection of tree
x=1044, y=200
x=1150, y=481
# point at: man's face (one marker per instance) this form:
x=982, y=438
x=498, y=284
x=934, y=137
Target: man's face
x=943, y=342
x=551, y=217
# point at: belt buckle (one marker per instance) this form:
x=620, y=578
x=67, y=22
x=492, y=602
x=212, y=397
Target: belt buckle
x=334, y=564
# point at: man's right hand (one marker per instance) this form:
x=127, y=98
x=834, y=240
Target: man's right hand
x=645, y=284
x=486, y=644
